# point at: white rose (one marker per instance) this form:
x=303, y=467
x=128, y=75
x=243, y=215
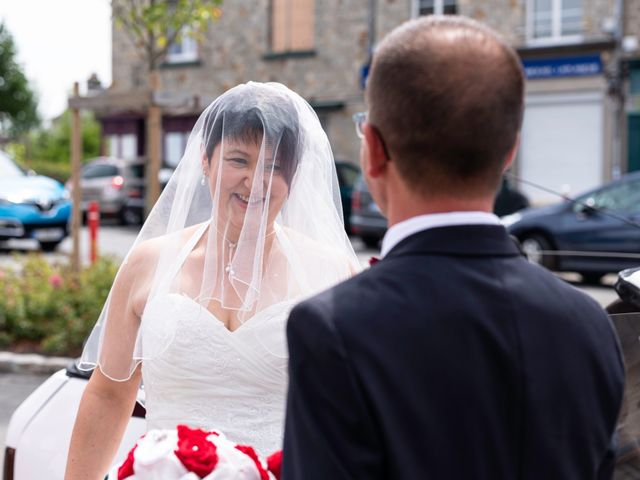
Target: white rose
x=154, y=458
x=232, y=463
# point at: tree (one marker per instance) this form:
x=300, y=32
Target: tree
x=18, y=105
x=48, y=150
x=152, y=26
x=54, y=143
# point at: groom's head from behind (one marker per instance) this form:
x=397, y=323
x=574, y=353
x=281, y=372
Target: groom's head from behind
x=445, y=98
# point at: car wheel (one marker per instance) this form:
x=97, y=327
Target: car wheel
x=370, y=241
x=534, y=246
x=48, y=246
x=130, y=216
x=591, y=278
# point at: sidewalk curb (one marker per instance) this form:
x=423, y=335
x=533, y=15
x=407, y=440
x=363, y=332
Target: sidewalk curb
x=31, y=363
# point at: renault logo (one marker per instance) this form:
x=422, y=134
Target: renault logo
x=44, y=203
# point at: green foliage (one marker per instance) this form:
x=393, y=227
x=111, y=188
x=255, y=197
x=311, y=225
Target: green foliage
x=49, y=309
x=154, y=25
x=18, y=105
x=54, y=144
x=48, y=151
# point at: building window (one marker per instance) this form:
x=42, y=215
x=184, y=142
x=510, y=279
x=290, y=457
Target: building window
x=434, y=7
x=175, y=144
x=554, y=20
x=291, y=25
x=123, y=146
x=186, y=50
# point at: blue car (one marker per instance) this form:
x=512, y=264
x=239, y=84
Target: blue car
x=596, y=233
x=32, y=206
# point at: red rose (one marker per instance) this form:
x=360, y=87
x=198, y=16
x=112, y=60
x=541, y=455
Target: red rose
x=184, y=431
x=126, y=469
x=196, y=453
x=251, y=453
x=274, y=463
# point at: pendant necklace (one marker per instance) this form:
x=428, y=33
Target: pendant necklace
x=228, y=270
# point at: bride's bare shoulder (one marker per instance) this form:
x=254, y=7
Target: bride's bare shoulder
x=341, y=255
x=144, y=257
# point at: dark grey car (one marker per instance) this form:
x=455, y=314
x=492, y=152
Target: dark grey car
x=367, y=222
x=598, y=232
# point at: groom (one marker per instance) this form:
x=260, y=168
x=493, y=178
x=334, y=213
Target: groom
x=452, y=357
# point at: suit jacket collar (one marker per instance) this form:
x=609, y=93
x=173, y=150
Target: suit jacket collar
x=467, y=240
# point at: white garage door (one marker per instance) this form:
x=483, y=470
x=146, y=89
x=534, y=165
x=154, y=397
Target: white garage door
x=561, y=145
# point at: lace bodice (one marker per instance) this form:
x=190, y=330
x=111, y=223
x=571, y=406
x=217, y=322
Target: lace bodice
x=210, y=377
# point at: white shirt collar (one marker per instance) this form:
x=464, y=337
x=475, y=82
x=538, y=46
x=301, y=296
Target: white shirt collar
x=406, y=228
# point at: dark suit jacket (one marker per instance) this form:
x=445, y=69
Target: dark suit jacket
x=452, y=358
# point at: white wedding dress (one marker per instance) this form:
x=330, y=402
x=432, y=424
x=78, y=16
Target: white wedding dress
x=213, y=378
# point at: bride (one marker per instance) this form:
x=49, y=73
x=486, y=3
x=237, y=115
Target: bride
x=249, y=224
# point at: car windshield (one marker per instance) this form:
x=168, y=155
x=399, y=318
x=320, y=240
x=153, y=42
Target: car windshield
x=623, y=196
x=99, y=170
x=8, y=169
x=137, y=170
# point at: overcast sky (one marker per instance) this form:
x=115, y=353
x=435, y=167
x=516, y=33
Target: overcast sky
x=59, y=42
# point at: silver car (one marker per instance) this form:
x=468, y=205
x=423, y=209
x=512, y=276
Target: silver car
x=115, y=184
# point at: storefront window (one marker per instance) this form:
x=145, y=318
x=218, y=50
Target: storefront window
x=175, y=144
x=123, y=146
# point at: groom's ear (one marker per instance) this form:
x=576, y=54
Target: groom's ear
x=377, y=156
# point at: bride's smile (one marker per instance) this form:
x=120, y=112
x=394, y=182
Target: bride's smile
x=234, y=170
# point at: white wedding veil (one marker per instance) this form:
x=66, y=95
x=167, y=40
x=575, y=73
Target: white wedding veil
x=250, y=219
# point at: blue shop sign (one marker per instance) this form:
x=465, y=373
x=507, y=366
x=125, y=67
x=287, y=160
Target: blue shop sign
x=563, y=67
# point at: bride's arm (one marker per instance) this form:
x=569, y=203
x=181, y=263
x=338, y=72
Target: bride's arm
x=107, y=404
x=103, y=415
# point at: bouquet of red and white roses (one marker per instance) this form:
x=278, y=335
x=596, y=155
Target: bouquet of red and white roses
x=193, y=454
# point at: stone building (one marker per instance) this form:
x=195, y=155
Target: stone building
x=571, y=49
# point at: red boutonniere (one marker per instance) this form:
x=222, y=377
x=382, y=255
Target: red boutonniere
x=373, y=261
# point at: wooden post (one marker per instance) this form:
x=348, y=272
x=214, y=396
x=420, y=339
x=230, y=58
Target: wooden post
x=76, y=199
x=154, y=143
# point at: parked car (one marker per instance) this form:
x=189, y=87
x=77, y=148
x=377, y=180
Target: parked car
x=596, y=233
x=367, y=222
x=347, y=176
x=134, y=208
x=113, y=183
x=40, y=429
x=32, y=206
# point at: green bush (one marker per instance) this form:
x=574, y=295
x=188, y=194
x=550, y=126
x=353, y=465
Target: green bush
x=59, y=171
x=48, y=308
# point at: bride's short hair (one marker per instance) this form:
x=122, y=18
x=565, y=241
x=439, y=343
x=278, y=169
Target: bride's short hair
x=246, y=113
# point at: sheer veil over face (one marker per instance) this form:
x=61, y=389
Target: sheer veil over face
x=250, y=219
